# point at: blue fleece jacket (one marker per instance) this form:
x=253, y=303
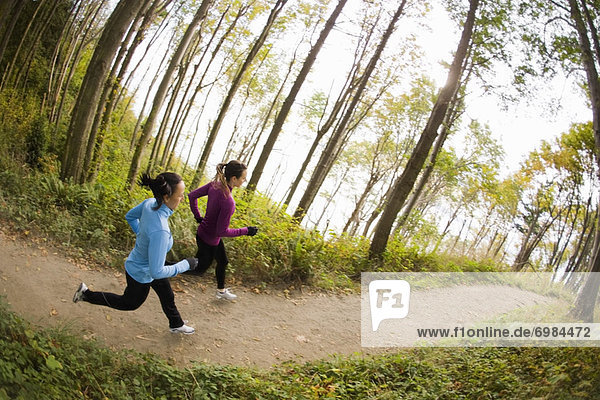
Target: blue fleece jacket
x=146, y=261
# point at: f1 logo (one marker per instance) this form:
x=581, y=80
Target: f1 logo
x=388, y=299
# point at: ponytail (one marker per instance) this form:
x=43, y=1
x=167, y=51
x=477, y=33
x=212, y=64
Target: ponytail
x=220, y=178
x=163, y=184
x=225, y=171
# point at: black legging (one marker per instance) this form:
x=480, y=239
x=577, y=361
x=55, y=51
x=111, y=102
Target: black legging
x=206, y=254
x=134, y=296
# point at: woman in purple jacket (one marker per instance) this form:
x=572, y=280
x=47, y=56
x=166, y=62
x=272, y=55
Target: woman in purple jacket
x=215, y=223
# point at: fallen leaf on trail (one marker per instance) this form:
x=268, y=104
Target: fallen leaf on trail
x=177, y=288
x=301, y=339
x=53, y=312
x=108, y=317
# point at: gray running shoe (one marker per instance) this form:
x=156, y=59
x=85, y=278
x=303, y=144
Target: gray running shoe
x=187, y=330
x=226, y=294
x=79, y=293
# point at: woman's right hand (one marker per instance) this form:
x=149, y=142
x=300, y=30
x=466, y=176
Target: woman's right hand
x=252, y=230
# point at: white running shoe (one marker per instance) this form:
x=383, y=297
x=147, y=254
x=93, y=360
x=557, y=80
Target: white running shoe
x=188, y=330
x=79, y=293
x=225, y=294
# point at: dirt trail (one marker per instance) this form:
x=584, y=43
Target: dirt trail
x=258, y=329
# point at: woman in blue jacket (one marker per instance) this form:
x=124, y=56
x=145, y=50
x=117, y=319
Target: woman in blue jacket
x=145, y=267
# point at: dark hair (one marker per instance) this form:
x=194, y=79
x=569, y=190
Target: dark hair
x=163, y=184
x=227, y=171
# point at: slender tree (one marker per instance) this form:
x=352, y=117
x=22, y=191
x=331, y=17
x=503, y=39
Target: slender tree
x=406, y=181
x=334, y=144
x=161, y=92
x=6, y=8
x=114, y=84
x=82, y=37
x=291, y=97
x=235, y=84
x=91, y=87
x=97, y=131
x=584, y=307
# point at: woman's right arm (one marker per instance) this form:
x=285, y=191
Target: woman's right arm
x=193, y=197
x=157, y=253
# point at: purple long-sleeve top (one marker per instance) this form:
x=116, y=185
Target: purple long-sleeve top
x=219, y=209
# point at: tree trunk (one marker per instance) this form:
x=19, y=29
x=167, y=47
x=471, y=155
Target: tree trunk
x=146, y=17
x=330, y=200
x=159, y=32
x=291, y=97
x=15, y=59
x=155, y=155
x=349, y=86
x=335, y=142
x=92, y=85
x=102, y=116
x=23, y=71
x=584, y=238
x=62, y=44
x=242, y=106
x=354, y=218
x=378, y=209
x=9, y=24
x=188, y=107
x=6, y=8
x=584, y=305
x=406, y=182
x=453, y=111
x=80, y=41
x=184, y=106
x=161, y=92
x=237, y=80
